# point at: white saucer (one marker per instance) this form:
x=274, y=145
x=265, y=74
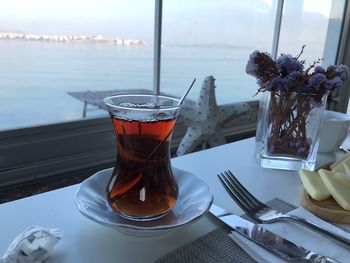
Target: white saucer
x=193, y=201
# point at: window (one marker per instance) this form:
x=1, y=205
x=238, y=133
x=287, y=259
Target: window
x=200, y=38
x=51, y=49
x=214, y=38
x=306, y=22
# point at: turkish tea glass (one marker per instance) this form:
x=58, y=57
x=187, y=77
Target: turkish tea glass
x=142, y=186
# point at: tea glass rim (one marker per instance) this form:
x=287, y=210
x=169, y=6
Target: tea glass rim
x=168, y=108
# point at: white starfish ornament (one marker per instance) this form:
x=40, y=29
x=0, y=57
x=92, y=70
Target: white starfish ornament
x=205, y=121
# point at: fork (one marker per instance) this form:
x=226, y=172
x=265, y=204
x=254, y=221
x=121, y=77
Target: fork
x=262, y=213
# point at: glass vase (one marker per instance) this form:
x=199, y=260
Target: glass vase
x=289, y=127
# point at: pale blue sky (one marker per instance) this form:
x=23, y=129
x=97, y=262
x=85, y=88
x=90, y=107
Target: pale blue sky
x=134, y=18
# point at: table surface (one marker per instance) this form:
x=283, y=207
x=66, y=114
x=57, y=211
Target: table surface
x=86, y=241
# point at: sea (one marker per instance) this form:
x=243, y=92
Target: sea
x=36, y=76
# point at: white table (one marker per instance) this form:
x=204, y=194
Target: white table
x=86, y=241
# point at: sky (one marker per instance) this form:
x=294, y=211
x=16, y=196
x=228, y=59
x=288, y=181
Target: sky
x=134, y=18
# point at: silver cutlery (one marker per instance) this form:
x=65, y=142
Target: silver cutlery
x=280, y=246
x=262, y=213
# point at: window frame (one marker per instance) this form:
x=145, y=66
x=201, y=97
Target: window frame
x=70, y=148
x=340, y=100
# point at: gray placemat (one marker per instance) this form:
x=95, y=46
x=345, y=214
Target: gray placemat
x=217, y=246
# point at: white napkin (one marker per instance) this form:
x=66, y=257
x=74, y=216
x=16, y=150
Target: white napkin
x=300, y=235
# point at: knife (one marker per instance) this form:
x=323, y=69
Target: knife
x=280, y=246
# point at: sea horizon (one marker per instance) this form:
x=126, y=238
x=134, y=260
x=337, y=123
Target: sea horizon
x=36, y=76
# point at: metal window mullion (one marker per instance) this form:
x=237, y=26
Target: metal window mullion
x=157, y=45
x=343, y=57
x=344, y=35
x=277, y=30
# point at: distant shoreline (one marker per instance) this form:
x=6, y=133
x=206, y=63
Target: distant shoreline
x=99, y=39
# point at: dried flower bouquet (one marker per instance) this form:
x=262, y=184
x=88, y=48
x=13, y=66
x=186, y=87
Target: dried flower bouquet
x=294, y=93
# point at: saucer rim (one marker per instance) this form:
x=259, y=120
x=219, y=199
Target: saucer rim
x=130, y=227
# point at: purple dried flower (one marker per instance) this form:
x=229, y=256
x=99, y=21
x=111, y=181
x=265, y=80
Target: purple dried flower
x=343, y=72
x=302, y=88
x=320, y=69
x=295, y=75
x=334, y=83
x=261, y=66
x=287, y=74
x=286, y=64
x=316, y=80
x=268, y=85
x=272, y=149
x=291, y=144
x=297, y=82
x=301, y=150
x=331, y=68
x=252, y=67
x=282, y=84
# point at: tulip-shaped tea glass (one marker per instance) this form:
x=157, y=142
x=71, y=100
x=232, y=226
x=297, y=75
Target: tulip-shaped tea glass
x=142, y=186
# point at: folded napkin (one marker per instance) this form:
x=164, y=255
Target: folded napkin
x=300, y=235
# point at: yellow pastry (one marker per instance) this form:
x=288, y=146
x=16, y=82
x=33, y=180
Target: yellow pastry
x=339, y=189
x=343, y=176
x=339, y=165
x=314, y=185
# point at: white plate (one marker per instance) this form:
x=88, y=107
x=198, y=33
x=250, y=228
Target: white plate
x=193, y=201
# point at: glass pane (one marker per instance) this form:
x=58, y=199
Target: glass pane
x=316, y=24
x=204, y=37
x=51, y=48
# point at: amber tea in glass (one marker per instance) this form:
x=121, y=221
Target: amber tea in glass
x=142, y=186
